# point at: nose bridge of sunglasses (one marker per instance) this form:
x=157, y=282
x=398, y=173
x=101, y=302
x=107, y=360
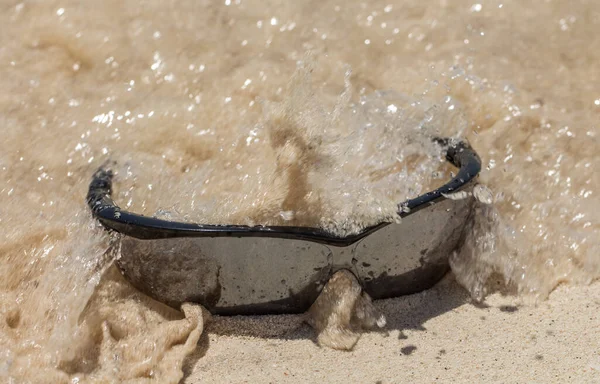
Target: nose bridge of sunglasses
x=344, y=258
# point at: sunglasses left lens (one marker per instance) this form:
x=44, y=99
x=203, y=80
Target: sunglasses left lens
x=229, y=275
x=409, y=257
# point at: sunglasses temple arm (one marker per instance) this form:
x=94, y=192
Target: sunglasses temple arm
x=100, y=190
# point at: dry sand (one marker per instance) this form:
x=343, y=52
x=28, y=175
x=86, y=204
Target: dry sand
x=437, y=336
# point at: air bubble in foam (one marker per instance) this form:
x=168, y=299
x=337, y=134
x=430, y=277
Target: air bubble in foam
x=483, y=194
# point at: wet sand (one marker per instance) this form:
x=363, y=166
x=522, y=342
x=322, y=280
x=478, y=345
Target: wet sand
x=437, y=336
x=174, y=93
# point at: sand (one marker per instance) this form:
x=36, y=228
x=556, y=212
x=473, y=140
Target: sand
x=437, y=336
x=175, y=91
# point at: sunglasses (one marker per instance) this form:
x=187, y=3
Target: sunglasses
x=242, y=270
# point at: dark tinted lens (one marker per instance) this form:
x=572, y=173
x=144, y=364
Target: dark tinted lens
x=246, y=275
x=411, y=256
x=257, y=275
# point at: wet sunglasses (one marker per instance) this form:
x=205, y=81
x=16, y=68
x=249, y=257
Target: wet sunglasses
x=241, y=270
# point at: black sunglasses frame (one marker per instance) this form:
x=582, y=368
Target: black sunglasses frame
x=240, y=279
x=113, y=217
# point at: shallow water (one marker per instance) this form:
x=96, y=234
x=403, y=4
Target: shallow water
x=184, y=96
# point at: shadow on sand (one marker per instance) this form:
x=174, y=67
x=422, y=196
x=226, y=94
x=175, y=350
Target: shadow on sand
x=403, y=313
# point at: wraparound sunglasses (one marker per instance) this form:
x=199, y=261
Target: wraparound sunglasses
x=241, y=270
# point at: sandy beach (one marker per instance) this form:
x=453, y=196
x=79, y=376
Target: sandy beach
x=437, y=336
x=210, y=115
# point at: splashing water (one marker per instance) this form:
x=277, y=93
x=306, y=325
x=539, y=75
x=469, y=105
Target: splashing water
x=343, y=169
x=195, y=103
